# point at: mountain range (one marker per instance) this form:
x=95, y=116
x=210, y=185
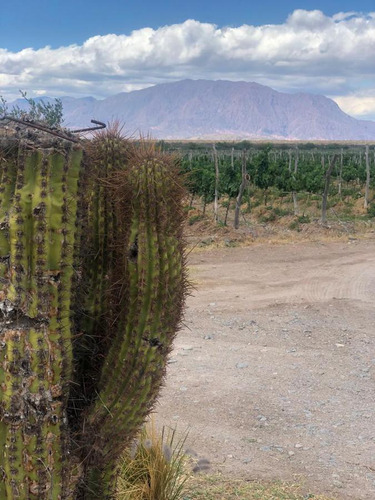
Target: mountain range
x=205, y=109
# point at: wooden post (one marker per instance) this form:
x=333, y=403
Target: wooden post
x=326, y=187
x=227, y=211
x=367, y=187
x=216, y=200
x=244, y=182
x=294, y=194
x=191, y=200
x=340, y=172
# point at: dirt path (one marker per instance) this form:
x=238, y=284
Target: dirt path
x=274, y=373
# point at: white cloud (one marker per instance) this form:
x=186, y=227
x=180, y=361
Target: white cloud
x=361, y=105
x=310, y=51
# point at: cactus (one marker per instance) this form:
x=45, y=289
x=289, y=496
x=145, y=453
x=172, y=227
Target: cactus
x=38, y=230
x=93, y=282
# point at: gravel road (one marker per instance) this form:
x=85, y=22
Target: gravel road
x=274, y=372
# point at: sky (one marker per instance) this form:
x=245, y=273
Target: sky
x=81, y=48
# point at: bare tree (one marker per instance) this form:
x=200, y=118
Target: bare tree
x=326, y=187
x=244, y=182
x=340, y=172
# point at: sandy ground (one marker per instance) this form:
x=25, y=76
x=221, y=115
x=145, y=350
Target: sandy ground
x=274, y=373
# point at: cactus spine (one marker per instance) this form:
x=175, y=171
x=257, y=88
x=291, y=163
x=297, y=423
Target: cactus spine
x=93, y=282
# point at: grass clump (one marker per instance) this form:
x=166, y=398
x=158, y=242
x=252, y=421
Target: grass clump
x=282, y=212
x=294, y=226
x=304, y=219
x=195, y=218
x=270, y=217
x=154, y=468
x=219, y=488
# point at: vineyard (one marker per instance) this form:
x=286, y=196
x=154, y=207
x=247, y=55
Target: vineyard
x=241, y=184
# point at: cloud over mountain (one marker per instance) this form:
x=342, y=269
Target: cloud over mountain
x=311, y=51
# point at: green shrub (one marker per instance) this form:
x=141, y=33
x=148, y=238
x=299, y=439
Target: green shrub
x=371, y=210
x=294, y=226
x=281, y=212
x=348, y=192
x=304, y=219
x=271, y=217
x=195, y=218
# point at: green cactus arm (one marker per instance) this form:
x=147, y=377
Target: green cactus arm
x=153, y=281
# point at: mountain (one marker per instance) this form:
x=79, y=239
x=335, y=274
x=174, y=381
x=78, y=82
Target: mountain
x=204, y=109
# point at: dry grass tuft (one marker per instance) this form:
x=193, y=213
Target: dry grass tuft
x=154, y=469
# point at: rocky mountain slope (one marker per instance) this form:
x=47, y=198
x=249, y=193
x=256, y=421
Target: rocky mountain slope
x=204, y=109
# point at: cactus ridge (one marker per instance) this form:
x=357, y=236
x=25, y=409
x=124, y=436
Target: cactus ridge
x=36, y=360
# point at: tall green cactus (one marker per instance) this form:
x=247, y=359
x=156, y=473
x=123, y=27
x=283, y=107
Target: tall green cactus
x=93, y=282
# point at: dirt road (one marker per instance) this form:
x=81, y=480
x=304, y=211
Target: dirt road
x=274, y=373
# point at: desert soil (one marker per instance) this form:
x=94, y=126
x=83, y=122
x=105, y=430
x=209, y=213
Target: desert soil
x=273, y=373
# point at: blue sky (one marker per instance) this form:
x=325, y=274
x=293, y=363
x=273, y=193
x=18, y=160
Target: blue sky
x=50, y=47
x=26, y=23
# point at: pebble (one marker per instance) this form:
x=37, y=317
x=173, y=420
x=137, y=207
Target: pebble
x=337, y=424
x=202, y=464
x=191, y=453
x=170, y=361
x=208, y=337
x=291, y=453
x=298, y=445
x=242, y=365
x=246, y=460
x=338, y=484
x=188, y=348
